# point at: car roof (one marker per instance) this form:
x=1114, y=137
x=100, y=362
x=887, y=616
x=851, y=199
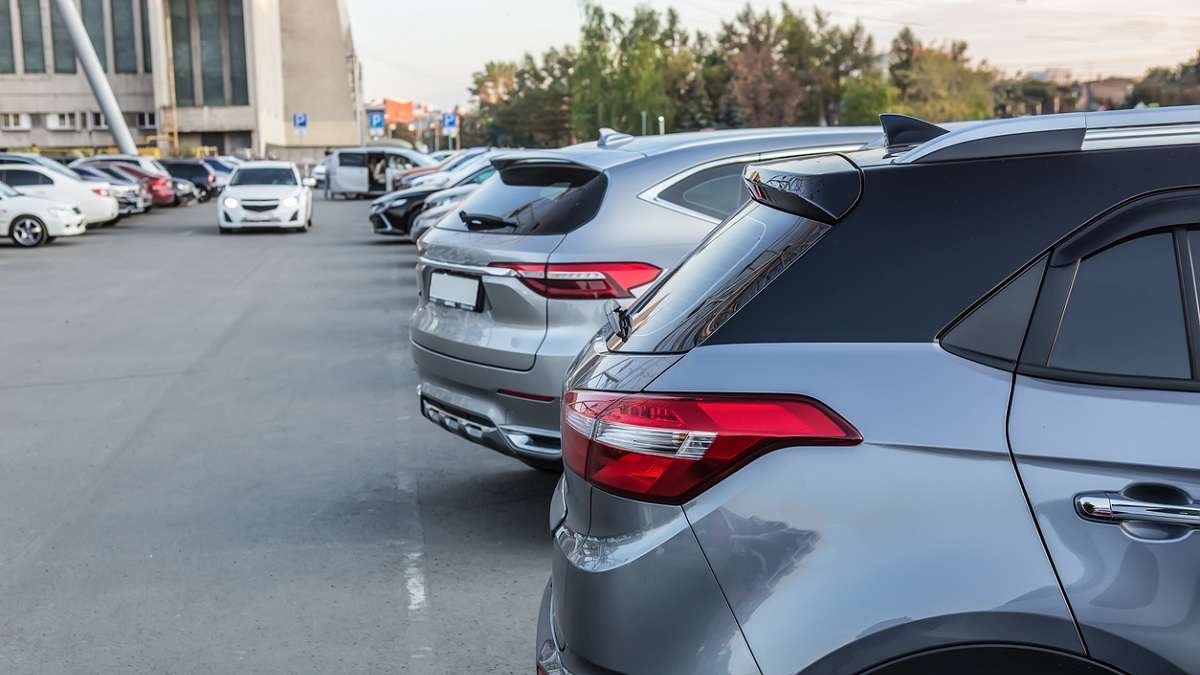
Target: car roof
x=24, y=166
x=267, y=164
x=697, y=146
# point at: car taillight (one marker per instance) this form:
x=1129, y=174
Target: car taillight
x=103, y=192
x=668, y=448
x=590, y=281
x=212, y=178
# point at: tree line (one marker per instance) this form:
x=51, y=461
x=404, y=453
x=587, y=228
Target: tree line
x=763, y=68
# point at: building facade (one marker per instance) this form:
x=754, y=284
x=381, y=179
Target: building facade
x=227, y=74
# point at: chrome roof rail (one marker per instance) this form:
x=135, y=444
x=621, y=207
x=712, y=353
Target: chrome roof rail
x=1065, y=132
x=611, y=138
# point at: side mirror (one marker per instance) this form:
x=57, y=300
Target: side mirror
x=310, y=182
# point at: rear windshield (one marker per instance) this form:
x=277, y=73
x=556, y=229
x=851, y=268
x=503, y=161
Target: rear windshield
x=189, y=170
x=533, y=199
x=722, y=275
x=263, y=177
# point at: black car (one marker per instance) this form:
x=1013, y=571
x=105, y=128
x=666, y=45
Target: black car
x=393, y=213
x=195, y=172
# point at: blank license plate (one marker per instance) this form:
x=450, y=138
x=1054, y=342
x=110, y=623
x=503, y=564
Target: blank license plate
x=454, y=290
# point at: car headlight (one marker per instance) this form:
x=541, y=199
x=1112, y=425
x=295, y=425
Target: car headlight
x=290, y=202
x=229, y=203
x=394, y=203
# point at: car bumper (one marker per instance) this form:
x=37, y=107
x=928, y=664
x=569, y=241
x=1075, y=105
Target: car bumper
x=239, y=218
x=66, y=227
x=522, y=422
x=382, y=224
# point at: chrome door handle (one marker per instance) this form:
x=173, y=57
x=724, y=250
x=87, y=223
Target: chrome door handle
x=1113, y=507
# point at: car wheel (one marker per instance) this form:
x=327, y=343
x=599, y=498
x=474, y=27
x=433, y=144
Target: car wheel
x=224, y=230
x=28, y=232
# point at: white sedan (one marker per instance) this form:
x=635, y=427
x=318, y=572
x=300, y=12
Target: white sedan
x=266, y=194
x=94, y=200
x=33, y=221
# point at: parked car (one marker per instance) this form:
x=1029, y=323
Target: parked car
x=514, y=287
x=393, y=213
x=32, y=221
x=359, y=172
x=40, y=160
x=118, y=175
x=441, y=155
x=405, y=179
x=147, y=165
x=437, y=206
x=266, y=194
x=202, y=178
x=185, y=192
x=94, y=200
x=130, y=194
x=162, y=188
x=221, y=168
x=927, y=407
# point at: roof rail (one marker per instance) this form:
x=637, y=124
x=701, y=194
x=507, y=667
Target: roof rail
x=611, y=138
x=1065, y=132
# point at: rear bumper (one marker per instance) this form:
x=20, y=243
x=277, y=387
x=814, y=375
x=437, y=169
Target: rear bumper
x=510, y=424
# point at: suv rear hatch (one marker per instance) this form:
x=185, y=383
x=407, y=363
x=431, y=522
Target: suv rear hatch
x=482, y=274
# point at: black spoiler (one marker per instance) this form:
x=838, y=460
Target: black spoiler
x=823, y=187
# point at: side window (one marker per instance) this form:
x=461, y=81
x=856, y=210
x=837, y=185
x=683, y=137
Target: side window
x=481, y=176
x=19, y=178
x=992, y=332
x=352, y=159
x=399, y=162
x=1124, y=314
x=717, y=191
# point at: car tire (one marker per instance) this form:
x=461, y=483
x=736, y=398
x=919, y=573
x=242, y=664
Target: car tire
x=28, y=232
x=224, y=230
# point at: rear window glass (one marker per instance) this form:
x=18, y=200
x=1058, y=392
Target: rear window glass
x=352, y=159
x=533, y=199
x=184, y=169
x=736, y=261
x=716, y=192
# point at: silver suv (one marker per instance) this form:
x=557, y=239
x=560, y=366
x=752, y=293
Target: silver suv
x=929, y=407
x=514, y=286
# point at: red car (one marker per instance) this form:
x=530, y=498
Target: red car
x=162, y=189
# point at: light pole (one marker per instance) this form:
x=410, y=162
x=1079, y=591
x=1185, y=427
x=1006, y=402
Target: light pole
x=96, y=77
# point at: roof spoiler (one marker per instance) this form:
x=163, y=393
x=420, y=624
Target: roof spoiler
x=823, y=187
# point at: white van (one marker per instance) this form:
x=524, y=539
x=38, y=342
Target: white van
x=356, y=172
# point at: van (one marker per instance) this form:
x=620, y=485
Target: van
x=357, y=172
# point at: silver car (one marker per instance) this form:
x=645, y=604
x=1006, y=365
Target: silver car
x=513, y=287
x=929, y=407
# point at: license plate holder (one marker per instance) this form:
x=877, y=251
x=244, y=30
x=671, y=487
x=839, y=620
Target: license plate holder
x=455, y=290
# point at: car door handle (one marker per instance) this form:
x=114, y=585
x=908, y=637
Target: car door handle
x=1113, y=507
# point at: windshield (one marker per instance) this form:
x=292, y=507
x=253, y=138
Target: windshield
x=263, y=176
x=6, y=191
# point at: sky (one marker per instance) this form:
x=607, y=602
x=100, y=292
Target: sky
x=427, y=51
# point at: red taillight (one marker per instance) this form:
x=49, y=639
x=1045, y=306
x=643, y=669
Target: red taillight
x=590, y=281
x=103, y=192
x=161, y=183
x=667, y=448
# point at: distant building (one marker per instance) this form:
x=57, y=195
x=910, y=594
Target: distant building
x=228, y=74
x=1106, y=93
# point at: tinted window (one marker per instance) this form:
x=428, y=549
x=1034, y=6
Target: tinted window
x=263, y=177
x=31, y=35
x=723, y=274
x=480, y=177
x=535, y=199
x=352, y=159
x=993, y=331
x=1124, y=315
x=218, y=166
x=715, y=192
x=212, y=79
x=187, y=170
x=19, y=178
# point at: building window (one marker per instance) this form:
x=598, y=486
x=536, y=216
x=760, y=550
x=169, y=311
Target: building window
x=8, y=62
x=16, y=121
x=62, y=121
x=147, y=59
x=64, y=50
x=212, y=73
x=31, y=36
x=237, y=54
x=181, y=52
x=124, y=42
x=96, y=120
x=147, y=120
x=93, y=21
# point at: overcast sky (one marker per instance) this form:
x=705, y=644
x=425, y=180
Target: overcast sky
x=428, y=50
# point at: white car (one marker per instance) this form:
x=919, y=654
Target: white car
x=266, y=194
x=33, y=221
x=94, y=199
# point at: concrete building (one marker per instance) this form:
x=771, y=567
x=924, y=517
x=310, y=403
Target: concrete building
x=227, y=74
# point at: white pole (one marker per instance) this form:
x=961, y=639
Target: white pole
x=96, y=77
x=662, y=125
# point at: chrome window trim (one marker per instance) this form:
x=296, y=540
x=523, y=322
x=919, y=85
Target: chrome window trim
x=653, y=193
x=468, y=269
x=1132, y=137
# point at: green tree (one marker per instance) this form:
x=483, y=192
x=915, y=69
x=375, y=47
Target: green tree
x=945, y=86
x=1179, y=85
x=863, y=98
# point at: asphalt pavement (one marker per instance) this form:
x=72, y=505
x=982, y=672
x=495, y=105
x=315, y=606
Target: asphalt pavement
x=212, y=461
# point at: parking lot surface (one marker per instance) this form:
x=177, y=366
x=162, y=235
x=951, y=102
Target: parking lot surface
x=211, y=460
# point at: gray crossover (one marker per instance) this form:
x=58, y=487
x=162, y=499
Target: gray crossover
x=928, y=407
x=517, y=282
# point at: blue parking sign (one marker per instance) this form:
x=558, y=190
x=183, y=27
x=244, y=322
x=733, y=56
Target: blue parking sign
x=449, y=120
x=299, y=121
x=375, y=120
